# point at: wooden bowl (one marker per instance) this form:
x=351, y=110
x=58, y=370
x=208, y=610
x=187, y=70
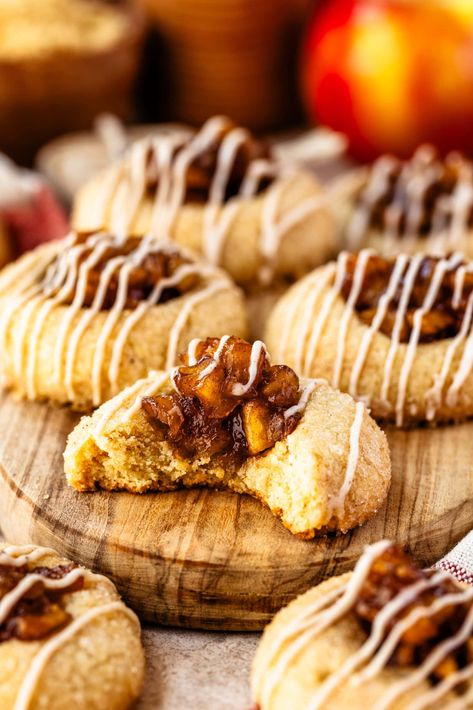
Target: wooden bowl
x=46, y=95
x=235, y=57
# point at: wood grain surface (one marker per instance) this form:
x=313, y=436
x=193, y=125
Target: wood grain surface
x=217, y=560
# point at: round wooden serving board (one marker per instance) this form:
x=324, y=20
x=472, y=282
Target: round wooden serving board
x=218, y=560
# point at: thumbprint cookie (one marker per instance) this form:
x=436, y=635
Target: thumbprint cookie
x=227, y=418
x=66, y=638
x=423, y=204
x=84, y=317
x=221, y=193
x=387, y=636
x=395, y=333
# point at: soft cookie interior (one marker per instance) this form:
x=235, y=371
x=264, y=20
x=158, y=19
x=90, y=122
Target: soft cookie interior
x=330, y=471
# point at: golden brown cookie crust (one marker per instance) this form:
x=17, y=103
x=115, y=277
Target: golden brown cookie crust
x=342, y=194
x=101, y=665
x=299, y=478
x=320, y=658
x=308, y=243
x=149, y=345
x=288, y=333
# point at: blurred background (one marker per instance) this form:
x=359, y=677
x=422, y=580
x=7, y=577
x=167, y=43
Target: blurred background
x=387, y=74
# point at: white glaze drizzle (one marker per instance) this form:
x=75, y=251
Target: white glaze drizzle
x=303, y=400
x=427, y=699
x=68, y=275
x=312, y=621
x=409, y=282
x=18, y=556
x=435, y=657
x=433, y=396
x=11, y=599
x=240, y=389
x=451, y=212
x=381, y=311
x=432, y=292
x=110, y=408
x=310, y=298
x=192, y=351
x=337, y=503
x=258, y=350
x=355, y=291
x=171, y=156
x=38, y=665
x=184, y=314
x=370, y=648
x=374, y=654
x=402, y=280
x=316, y=329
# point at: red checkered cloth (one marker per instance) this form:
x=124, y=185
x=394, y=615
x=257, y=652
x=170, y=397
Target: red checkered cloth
x=459, y=561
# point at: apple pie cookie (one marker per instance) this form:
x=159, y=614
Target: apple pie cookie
x=84, y=317
x=394, y=333
x=423, y=204
x=387, y=636
x=221, y=193
x=66, y=638
x=227, y=418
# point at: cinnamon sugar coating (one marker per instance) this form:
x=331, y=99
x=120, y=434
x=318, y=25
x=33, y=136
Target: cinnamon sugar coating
x=87, y=329
x=332, y=472
x=387, y=635
x=403, y=349
x=220, y=193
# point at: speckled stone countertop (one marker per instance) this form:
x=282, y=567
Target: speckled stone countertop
x=202, y=670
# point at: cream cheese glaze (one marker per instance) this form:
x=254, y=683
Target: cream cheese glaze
x=373, y=655
x=173, y=156
x=425, y=198
x=402, y=281
x=67, y=269
x=18, y=556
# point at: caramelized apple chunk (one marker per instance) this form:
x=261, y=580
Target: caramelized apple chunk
x=157, y=265
x=391, y=573
x=419, y=190
x=39, y=611
x=230, y=403
x=201, y=171
x=443, y=320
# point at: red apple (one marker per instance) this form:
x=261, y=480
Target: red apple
x=392, y=74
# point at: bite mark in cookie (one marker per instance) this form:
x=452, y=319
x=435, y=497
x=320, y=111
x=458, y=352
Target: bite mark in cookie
x=227, y=418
